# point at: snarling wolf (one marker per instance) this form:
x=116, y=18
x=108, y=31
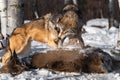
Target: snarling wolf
x=42, y=30
x=69, y=23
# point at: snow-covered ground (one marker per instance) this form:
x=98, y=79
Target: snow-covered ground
x=97, y=37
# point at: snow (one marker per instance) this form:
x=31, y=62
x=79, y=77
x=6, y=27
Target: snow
x=97, y=37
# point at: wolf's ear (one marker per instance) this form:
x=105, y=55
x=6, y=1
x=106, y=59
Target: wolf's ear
x=48, y=16
x=58, y=19
x=70, y=7
x=14, y=54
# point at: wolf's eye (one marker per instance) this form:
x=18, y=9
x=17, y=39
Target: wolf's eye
x=57, y=29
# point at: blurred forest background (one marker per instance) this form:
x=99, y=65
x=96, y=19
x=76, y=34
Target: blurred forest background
x=14, y=12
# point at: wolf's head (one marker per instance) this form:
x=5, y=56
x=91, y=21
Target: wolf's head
x=70, y=7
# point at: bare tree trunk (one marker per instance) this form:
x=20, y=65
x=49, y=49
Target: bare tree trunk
x=34, y=6
x=111, y=13
x=118, y=41
x=15, y=14
x=71, y=2
x=119, y=4
x=0, y=18
x=75, y=2
x=3, y=16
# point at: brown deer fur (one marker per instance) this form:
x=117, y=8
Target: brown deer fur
x=61, y=60
x=73, y=61
x=89, y=60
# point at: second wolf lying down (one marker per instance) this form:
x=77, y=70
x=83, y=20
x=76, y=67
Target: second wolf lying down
x=42, y=30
